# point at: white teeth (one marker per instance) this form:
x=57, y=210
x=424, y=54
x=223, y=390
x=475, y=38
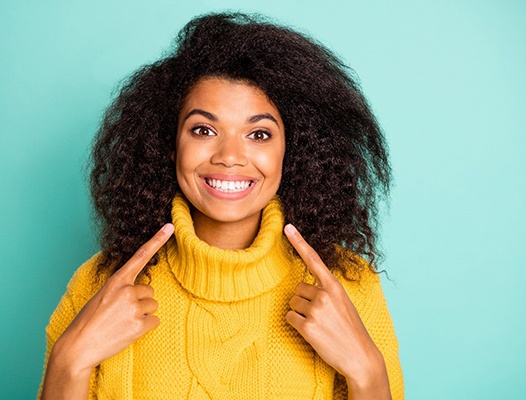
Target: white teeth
x=228, y=186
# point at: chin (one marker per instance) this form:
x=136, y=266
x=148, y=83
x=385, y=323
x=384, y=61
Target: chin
x=231, y=215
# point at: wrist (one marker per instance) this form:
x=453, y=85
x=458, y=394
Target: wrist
x=65, y=359
x=65, y=378
x=370, y=381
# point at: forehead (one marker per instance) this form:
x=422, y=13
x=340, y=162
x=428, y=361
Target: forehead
x=228, y=96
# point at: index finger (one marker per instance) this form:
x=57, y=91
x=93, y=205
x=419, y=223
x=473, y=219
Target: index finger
x=129, y=271
x=313, y=261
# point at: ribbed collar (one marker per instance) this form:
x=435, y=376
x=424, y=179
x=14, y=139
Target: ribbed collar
x=227, y=275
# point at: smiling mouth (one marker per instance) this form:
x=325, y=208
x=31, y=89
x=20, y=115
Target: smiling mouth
x=228, y=186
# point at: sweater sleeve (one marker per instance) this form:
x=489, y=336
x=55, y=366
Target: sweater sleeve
x=82, y=286
x=368, y=298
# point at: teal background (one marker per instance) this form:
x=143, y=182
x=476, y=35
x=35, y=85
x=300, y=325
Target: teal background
x=447, y=81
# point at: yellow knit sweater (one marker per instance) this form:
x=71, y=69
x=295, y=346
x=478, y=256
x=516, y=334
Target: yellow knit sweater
x=223, y=333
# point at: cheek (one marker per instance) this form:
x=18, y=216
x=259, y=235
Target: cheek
x=187, y=156
x=183, y=160
x=271, y=163
x=191, y=157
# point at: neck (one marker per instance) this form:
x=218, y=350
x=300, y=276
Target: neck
x=221, y=274
x=226, y=235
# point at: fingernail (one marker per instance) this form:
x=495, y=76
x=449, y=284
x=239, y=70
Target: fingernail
x=290, y=229
x=167, y=228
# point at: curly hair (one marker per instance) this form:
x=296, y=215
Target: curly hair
x=335, y=171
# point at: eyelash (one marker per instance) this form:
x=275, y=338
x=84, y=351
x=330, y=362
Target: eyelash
x=195, y=130
x=267, y=133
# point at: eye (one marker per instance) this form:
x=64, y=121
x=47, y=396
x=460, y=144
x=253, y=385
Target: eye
x=202, y=130
x=260, y=136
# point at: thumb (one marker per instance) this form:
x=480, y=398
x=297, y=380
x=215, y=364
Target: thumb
x=129, y=271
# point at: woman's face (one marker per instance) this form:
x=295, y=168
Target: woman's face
x=229, y=150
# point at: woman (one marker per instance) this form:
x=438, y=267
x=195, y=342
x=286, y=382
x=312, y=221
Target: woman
x=245, y=127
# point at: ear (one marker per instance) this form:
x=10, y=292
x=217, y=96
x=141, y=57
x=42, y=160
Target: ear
x=172, y=156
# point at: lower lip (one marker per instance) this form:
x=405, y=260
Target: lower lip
x=229, y=195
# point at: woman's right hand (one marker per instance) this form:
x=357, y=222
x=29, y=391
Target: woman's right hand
x=120, y=313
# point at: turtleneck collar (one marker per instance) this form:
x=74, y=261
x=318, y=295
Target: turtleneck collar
x=227, y=275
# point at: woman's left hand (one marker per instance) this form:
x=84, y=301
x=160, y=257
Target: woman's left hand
x=327, y=319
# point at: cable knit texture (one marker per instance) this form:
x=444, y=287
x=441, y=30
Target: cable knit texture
x=223, y=333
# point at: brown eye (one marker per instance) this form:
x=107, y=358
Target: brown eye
x=260, y=136
x=203, y=131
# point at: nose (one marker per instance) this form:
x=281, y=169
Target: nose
x=230, y=151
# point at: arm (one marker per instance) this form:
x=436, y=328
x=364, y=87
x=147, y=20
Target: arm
x=118, y=314
x=78, y=292
x=326, y=317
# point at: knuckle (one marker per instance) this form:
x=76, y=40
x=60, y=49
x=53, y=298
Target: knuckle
x=142, y=252
x=158, y=240
x=312, y=256
x=135, y=310
x=323, y=298
x=128, y=292
x=136, y=327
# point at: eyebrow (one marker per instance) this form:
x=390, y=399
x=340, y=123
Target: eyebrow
x=252, y=120
x=206, y=114
x=256, y=118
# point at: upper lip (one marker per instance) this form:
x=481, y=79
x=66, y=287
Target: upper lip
x=228, y=177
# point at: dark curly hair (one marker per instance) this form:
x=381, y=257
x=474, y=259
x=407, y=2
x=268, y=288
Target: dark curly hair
x=336, y=169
